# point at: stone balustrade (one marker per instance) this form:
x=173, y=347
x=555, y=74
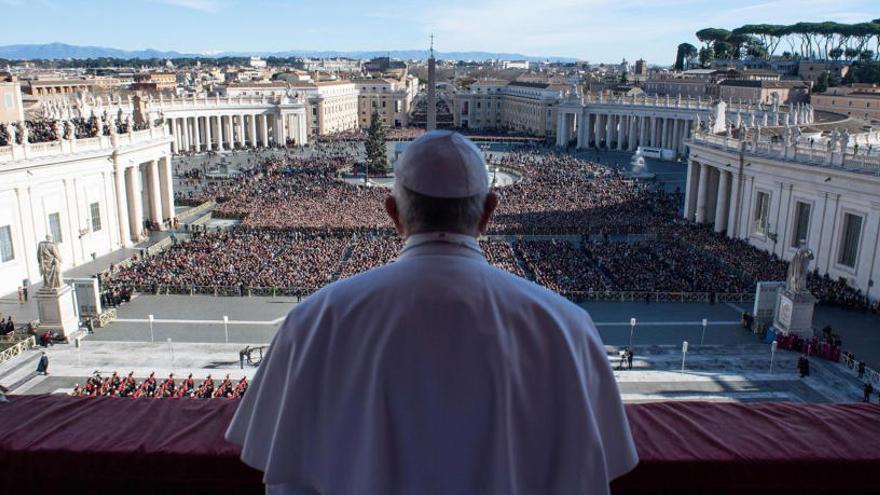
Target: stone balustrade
x=863, y=159
x=28, y=151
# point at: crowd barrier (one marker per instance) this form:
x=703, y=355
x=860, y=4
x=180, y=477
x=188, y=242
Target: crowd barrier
x=678, y=297
x=870, y=374
x=622, y=296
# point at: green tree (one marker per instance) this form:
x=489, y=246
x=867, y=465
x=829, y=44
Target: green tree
x=835, y=53
x=685, y=55
x=821, y=83
x=706, y=56
x=377, y=158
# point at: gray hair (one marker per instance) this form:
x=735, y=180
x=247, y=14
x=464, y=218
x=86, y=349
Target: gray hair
x=420, y=213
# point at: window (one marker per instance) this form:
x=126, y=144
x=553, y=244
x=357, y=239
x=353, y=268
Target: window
x=9, y=101
x=849, y=240
x=801, y=223
x=762, y=212
x=95, y=212
x=7, y=253
x=55, y=227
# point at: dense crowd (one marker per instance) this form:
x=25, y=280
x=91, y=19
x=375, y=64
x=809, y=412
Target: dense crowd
x=302, y=227
x=116, y=385
x=45, y=130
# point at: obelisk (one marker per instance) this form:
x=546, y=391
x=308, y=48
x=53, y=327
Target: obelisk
x=432, y=95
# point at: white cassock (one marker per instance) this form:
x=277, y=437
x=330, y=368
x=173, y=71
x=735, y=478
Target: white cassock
x=435, y=374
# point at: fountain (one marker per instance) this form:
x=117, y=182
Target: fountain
x=637, y=167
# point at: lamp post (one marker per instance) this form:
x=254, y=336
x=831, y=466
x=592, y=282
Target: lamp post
x=150, y=319
x=226, y=327
x=632, y=329
x=684, y=352
x=703, y=335
x=772, y=354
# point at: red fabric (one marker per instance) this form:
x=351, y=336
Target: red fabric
x=703, y=447
x=60, y=444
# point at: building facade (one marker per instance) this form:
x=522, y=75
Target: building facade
x=857, y=104
x=776, y=194
x=333, y=105
x=391, y=98
x=92, y=196
x=11, y=109
x=522, y=107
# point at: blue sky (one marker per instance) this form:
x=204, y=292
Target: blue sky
x=594, y=30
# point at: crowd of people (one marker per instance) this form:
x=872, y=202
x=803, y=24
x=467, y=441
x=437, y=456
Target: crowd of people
x=45, y=130
x=116, y=385
x=303, y=227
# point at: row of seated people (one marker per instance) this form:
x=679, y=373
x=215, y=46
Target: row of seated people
x=118, y=386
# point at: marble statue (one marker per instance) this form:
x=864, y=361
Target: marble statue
x=844, y=140
x=796, y=280
x=23, y=129
x=70, y=130
x=10, y=132
x=49, y=259
x=58, y=127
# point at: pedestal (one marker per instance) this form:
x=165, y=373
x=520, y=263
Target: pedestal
x=57, y=311
x=794, y=313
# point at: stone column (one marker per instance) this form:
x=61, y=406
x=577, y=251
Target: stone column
x=253, y=129
x=609, y=127
x=653, y=123
x=122, y=213
x=242, y=138
x=643, y=130
x=154, y=194
x=166, y=187
x=220, y=128
x=265, y=131
x=230, y=135
x=664, y=139
x=690, y=190
x=621, y=131
x=676, y=142
x=721, y=208
x=597, y=134
x=733, y=214
x=185, y=134
x=700, y=216
x=197, y=138
x=560, y=130
x=175, y=141
x=135, y=207
x=209, y=145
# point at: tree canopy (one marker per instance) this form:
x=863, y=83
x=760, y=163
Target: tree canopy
x=812, y=40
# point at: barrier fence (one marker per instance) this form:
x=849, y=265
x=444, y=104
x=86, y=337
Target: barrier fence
x=623, y=296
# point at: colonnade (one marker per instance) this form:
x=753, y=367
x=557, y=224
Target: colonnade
x=624, y=132
x=144, y=191
x=225, y=131
x=711, y=196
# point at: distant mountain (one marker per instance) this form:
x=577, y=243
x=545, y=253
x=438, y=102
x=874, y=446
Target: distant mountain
x=63, y=51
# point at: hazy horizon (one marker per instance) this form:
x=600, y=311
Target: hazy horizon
x=594, y=30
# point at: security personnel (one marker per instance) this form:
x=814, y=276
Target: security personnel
x=436, y=373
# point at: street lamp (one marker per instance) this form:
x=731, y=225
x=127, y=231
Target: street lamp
x=150, y=319
x=632, y=329
x=684, y=352
x=226, y=327
x=772, y=354
x=703, y=335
